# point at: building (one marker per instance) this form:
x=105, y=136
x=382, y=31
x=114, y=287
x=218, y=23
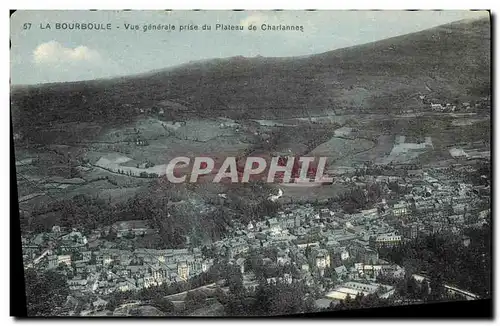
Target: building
x=411, y=231
x=400, y=209
x=373, y=271
x=466, y=240
x=73, y=239
x=131, y=228
x=274, y=226
x=458, y=153
x=322, y=260
x=387, y=240
x=52, y=262
x=86, y=256
x=64, y=259
x=450, y=289
x=362, y=252
x=240, y=262
x=344, y=254
x=343, y=132
x=326, y=215
x=99, y=304
x=183, y=270
x=341, y=271
x=297, y=221
x=352, y=289
x=77, y=284
x=436, y=106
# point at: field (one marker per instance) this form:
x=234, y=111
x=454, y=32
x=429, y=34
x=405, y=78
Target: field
x=349, y=105
x=340, y=148
x=110, y=166
x=303, y=193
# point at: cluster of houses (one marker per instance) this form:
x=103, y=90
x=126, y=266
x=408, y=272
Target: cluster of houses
x=438, y=106
x=317, y=241
x=92, y=268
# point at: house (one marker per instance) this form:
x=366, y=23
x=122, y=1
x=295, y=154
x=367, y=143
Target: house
x=287, y=223
x=411, y=231
x=325, y=214
x=183, y=270
x=273, y=197
x=99, y=304
x=374, y=271
x=77, y=284
x=362, y=251
x=387, y=240
x=457, y=153
x=343, y=132
x=436, y=106
x=206, y=264
x=86, y=256
x=274, y=226
x=282, y=258
x=323, y=303
x=73, y=239
x=415, y=173
x=271, y=280
x=80, y=267
x=304, y=243
x=240, y=262
x=239, y=248
x=459, y=208
x=400, y=209
x=352, y=289
x=370, y=213
x=466, y=240
x=159, y=275
x=344, y=254
x=134, y=227
x=52, y=262
x=341, y=271
x=64, y=259
x=322, y=260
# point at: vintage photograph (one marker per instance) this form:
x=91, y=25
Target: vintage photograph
x=177, y=163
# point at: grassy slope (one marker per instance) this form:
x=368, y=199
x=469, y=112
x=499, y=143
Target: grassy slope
x=452, y=60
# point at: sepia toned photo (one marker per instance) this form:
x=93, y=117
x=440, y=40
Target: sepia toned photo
x=179, y=163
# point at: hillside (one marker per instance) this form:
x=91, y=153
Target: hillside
x=446, y=62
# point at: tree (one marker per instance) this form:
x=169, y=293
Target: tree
x=220, y=295
x=361, y=301
x=412, y=288
x=44, y=292
x=136, y=312
x=280, y=298
x=165, y=305
x=235, y=281
x=194, y=300
x=424, y=291
x=437, y=289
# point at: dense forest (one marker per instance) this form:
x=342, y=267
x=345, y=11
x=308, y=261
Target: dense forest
x=45, y=292
x=174, y=216
x=446, y=260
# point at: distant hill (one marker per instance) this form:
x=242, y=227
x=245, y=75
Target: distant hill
x=450, y=61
